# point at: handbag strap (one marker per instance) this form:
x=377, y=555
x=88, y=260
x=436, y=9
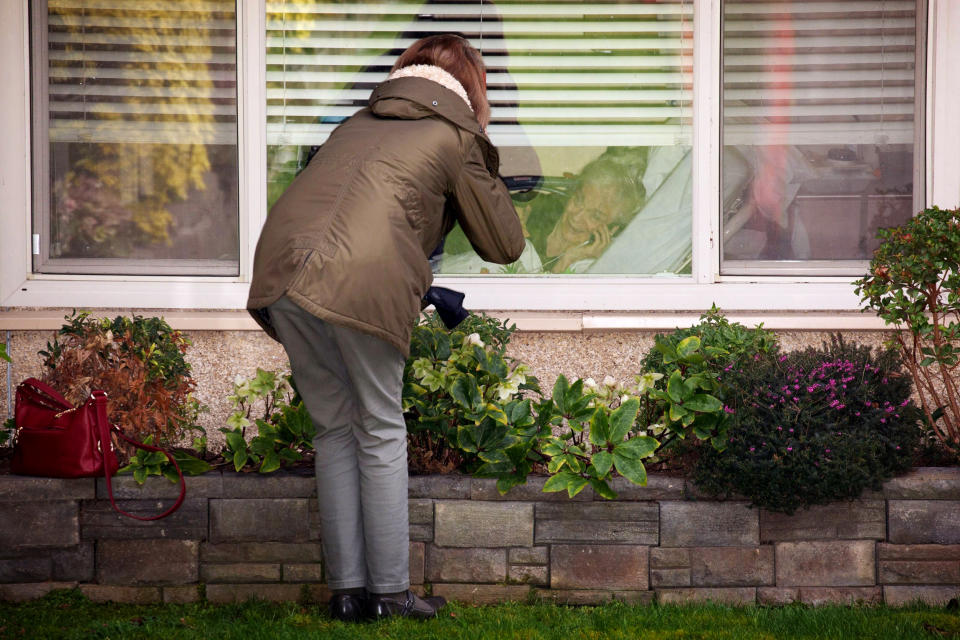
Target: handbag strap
x=104, y=428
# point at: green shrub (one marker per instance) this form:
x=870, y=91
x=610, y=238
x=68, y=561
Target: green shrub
x=812, y=426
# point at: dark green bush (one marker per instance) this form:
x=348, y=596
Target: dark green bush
x=813, y=426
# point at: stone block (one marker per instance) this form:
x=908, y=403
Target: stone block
x=465, y=565
x=99, y=521
x=113, y=593
x=860, y=519
x=271, y=592
x=528, y=555
x=183, y=594
x=721, y=595
x=826, y=563
x=442, y=487
x=26, y=569
x=462, y=523
x=918, y=552
x=817, y=596
x=259, y=519
x=147, y=562
x=38, y=524
x=777, y=596
x=421, y=532
x=208, y=485
x=592, y=596
x=312, y=572
x=261, y=552
x=611, y=567
x=629, y=523
x=670, y=578
x=243, y=572
x=657, y=488
x=708, y=524
x=482, y=593
x=531, y=490
x=76, y=564
x=417, y=562
x=924, y=521
x=925, y=483
x=900, y=596
x=23, y=591
x=22, y=488
x=669, y=558
x=731, y=566
x=420, y=511
x=528, y=574
x=283, y=483
x=918, y=572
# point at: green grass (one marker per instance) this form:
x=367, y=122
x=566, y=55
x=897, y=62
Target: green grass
x=68, y=614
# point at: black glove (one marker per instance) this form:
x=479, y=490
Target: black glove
x=449, y=305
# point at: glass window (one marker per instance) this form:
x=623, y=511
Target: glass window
x=135, y=137
x=591, y=110
x=819, y=142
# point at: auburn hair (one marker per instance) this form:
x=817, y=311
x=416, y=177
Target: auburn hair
x=456, y=56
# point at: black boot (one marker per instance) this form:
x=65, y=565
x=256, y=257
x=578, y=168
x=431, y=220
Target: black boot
x=406, y=605
x=349, y=607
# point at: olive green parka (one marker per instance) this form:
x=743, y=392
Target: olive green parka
x=349, y=240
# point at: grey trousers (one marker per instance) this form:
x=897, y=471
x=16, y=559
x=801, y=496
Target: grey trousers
x=351, y=384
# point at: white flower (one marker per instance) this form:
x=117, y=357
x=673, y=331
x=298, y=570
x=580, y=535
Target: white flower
x=474, y=338
x=624, y=398
x=609, y=381
x=590, y=383
x=239, y=380
x=646, y=381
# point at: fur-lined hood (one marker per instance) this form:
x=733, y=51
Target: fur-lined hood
x=436, y=74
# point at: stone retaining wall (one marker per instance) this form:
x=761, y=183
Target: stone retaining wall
x=244, y=535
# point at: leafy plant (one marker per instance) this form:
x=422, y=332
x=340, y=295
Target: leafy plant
x=140, y=363
x=914, y=284
x=284, y=428
x=813, y=426
x=3, y=352
x=154, y=463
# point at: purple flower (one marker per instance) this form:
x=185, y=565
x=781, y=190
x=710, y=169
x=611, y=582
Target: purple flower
x=789, y=448
x=791, y=430
x=826, y=451
x=727, y=409
x=753, y=448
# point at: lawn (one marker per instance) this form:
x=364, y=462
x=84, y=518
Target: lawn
x=68, y=615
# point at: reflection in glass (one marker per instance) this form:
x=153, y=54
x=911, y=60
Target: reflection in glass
x=591, y=112
x=818, y=128
x=141, y=125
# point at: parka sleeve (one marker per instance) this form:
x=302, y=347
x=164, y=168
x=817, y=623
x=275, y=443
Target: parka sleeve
x=485, y=211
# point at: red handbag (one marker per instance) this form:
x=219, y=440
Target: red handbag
x=58, y=440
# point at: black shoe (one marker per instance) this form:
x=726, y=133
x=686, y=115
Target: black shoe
x=348, y=607
x=408, y=606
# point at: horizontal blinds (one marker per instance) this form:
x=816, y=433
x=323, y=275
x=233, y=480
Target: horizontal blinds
x=151, y=71
x=819, y=71
x=558, y=72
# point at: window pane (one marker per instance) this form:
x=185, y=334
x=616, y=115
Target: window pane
x=136, y=136
x=591, y=111
x=818, y=130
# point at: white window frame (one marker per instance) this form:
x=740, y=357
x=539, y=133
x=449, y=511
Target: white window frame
x=695, y=292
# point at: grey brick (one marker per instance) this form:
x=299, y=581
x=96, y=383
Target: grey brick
x=73, y=564
x=925, y=483
x=261, y=552
x=418, y=561
x=421, y=532
x=826, y=563
x=614, y=567
x=275, y=592
x=631, y=523
x=616, y=511
x=280, y=484
x=26, y=569
x=670, y=558
x=528, y=574
x=899, y=596
x=531, y=490
x=99, y=521
x=23, y=488
x=727, y=595
x=462, y=523
x=260, y=519
x=446, y=487
x=817, y=596
x=731, y=566
x=918, y=552
x=147, y=562
x=183, y=594
x=465, y=565
x=708, y=524
x=777, y=596
x=861, y=519
x=22, y=591
x=112, y=593
x=924, y=521
x=420, y=511
x=208, y=485
x=528, y=555
x=38, y=524
x=243, y=572
x=593, y=596
x=670, y=578
x=303, y=572
x=657, y=488
x=482, y=593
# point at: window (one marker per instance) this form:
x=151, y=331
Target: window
x=135, y=137
x=591, y=109
x=819, y=138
